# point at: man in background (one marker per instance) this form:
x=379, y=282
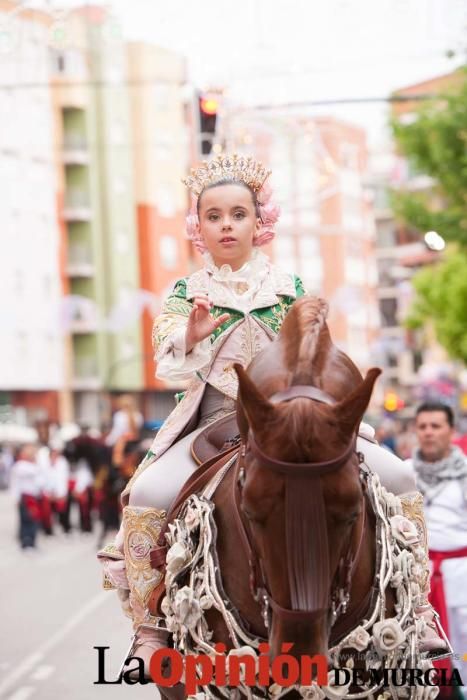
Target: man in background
x=441, y=469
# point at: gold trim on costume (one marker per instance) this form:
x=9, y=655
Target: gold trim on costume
x=142, y=527
x=412, y=508
x=107, y=584
x=110, y=551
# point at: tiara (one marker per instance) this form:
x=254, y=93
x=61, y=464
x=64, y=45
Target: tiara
x=234, y=167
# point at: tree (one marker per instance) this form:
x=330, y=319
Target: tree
x=441, y=297
x=435, y=144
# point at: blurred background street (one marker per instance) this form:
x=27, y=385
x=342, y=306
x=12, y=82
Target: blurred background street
x=358, y=107
x=53, y=612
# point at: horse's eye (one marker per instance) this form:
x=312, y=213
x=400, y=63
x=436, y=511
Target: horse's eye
x=353, y=517
x=241, y=478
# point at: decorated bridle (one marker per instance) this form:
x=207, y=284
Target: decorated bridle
x=310, y=596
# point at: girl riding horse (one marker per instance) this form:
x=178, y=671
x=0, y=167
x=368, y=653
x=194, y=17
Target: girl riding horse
x=224, y=313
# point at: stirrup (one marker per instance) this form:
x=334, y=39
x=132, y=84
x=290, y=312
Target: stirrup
x=159, y=640
x=445, y=649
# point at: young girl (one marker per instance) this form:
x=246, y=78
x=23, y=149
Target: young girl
x=224, y=313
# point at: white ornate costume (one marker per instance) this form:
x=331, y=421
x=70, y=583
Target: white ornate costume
x=257, y=298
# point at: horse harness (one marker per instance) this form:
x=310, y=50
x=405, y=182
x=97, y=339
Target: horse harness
x=310, y=596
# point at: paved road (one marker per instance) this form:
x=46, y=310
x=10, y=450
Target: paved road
x=52, y=614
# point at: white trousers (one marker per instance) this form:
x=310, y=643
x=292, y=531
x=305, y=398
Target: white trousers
x=160, y=483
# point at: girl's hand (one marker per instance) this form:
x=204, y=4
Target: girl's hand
x=200, y=322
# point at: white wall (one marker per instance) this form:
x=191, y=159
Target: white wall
x=31, y=354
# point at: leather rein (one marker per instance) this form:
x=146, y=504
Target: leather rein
x=330, y=603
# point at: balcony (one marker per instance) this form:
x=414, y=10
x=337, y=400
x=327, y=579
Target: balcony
x=77, y=206
x=75, y=150
x=82, y=315
x=80, y=261
x=83, y=325
x=85, y=374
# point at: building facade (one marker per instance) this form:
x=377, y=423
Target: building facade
x=326, y=229
x=92, y=221
x=161, y=151
x=31, y=357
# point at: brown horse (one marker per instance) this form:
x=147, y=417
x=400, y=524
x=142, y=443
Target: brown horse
x=295, y=538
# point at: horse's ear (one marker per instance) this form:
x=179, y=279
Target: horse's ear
x=256, y=407
x=350, y=411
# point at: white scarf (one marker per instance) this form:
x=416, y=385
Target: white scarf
x=432, y=476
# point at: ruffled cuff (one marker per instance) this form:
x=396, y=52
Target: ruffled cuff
x=173, y=362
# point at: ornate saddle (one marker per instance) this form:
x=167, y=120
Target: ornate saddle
x=217, y=437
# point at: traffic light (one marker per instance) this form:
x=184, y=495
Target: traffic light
x=393, y=402
x=208, y=110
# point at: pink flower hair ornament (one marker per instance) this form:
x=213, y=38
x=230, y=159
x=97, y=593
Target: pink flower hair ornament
x=269, y=213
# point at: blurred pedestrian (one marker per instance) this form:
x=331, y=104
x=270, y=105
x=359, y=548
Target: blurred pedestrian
x=406, y=441
x=441, y=470
x=83, y=481
x=385, y=435
x=6, y=464
x=60, y=473
x=126, y=421
x=46, y=478
x=26, y=488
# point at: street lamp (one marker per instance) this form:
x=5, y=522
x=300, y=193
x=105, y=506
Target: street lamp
x=434, y=241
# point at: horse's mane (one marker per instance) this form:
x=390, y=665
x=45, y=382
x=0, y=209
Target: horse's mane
x=301, y=332
x=309, y=353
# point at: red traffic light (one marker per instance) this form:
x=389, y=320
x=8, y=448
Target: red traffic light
x=209, y=105
x=393, y=402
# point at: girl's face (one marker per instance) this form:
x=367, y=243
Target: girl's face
x=228, y=224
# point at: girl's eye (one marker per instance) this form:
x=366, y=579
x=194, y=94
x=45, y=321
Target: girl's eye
x=239, y=215
x=213, y=217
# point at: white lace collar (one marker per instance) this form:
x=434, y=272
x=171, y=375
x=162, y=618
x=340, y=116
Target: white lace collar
x=256, y=266
x=255, y=285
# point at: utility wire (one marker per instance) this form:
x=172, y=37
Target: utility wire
x=346, y=100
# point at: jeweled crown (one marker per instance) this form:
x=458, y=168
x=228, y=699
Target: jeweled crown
x=227, y=167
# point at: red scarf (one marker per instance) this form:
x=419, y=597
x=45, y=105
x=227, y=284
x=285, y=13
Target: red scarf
x=438, y=598
x=437, y=594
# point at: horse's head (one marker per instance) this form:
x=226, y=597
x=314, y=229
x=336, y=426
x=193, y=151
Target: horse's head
x=303, y=499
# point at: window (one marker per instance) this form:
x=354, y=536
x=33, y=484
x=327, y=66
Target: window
x=161, y=94
x=283, y=247
x=48, y=286
x=309, y=246
x=355, y=272
x=311, y=272
x=349, y=156
x=385, y=266
x=352, y=218
x=388, y=310
x=18, y=282
x=57, y=59
x=117, y=133
x=121, y=243
x=386, y=234
x=22, y=346
x=168, y=251
x=165, y=201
